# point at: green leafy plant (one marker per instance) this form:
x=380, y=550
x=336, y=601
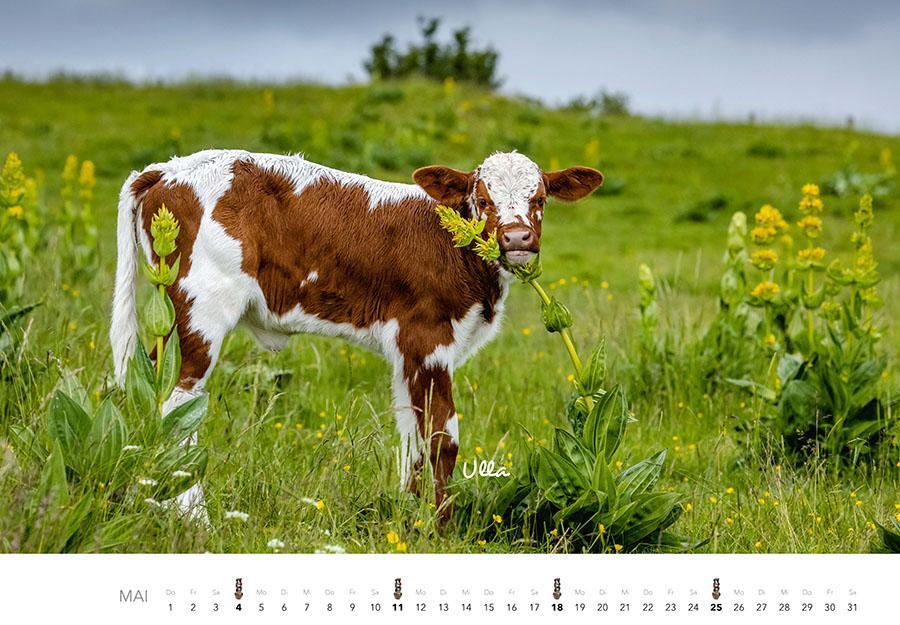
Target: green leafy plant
x=99, y=468
x=572, y=488
x=817, y=333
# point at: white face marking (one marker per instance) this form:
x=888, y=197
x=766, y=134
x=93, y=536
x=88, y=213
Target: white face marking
x=511, y=179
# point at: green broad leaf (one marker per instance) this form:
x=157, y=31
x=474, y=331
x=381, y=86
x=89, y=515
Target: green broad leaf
x=617, y=518
x=105, y=440
x=68, y=425
x=11, y=314
x=641, y=477
x=754, y=387
x=72, y=386
x=53, y=485
x=588, y=504
x=25, y=444
x=609, y=416
x=654, y=513
x=184, y=420
x=603, y=480
x=788, y=367
x=159, y=314
x=798, y=404
x=178, y=468
x=558, y=478
x=170, y=369
x=140, y=393
x=890, y=536
x=594, y=372
x=142, y=364
x=574, y=450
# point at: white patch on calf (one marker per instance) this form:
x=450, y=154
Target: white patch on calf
x=512, y=179
x=452, y=428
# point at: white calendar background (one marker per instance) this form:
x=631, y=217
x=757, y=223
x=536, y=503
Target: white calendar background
x=286, y=588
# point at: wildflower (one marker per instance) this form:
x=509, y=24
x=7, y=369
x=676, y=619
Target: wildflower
x=763, y=234
x=236, y=514
x=675, y=437
x=757, y=544
x=15, y=211
x=729, y=490
x=393, y=538
x=478, y=450
x=761, y=501
x=180, y=473
x=870, y=525
x=279, y=425
x=131, y=448
x=729, y=521
x=482, y=542
x=146, y=481
x=713, y=500
x=810, y=189
x=418, y=523
x=320, y=505
x=770, y=340
x=688, y=506
x=335, y=549
x=570, y=378
x=858, y=503
x=601, y=529
x=764, y=259
x=151, y=501
x=770, y=217
x=811, y=226
x=87, y=180
x=526, y=331
x=811, y=205
x=275, y=544
x=811, y=254
x=554, y=532
x=401, y=547
x=765, y=290
x=346, y=467
x=604, y=285
x=618, y=547
x=497, y=518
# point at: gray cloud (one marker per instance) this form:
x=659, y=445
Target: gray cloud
x=827, y=59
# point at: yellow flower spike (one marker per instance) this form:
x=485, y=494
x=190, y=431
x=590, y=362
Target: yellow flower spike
x=764, y=259
x=811, y=226
x=810, y=189
x=811, y=254
x=765, y=290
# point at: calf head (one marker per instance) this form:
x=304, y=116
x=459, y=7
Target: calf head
x=509, y=191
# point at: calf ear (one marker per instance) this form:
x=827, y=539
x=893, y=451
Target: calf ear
x=445, y=184
x=573, y=183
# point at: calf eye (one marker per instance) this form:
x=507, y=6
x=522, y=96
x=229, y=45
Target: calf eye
x=482, y=203
x=540, y=202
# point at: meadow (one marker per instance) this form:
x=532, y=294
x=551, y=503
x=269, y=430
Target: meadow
x=302, y=444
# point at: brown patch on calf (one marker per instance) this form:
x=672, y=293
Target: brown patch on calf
x=183, y=202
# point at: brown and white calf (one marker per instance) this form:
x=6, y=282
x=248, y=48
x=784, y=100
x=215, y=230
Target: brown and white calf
x=283, y=246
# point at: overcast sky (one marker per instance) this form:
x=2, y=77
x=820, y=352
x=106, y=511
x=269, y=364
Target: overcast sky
x=823, y=60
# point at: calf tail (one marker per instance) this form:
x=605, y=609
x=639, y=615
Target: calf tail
x=123, y=327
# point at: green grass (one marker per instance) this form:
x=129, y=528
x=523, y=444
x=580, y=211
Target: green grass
x=314, y=421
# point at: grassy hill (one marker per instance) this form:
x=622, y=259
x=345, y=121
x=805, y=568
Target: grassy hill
x=314, y=421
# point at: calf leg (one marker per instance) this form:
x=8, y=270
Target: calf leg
x=429, y=390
